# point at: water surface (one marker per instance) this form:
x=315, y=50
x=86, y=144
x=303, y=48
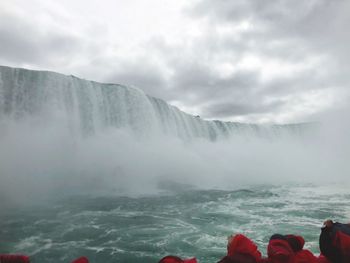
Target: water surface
x=186, y=223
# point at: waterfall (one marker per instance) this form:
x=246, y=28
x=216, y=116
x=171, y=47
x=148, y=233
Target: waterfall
x=61, y=134
x=87, y=107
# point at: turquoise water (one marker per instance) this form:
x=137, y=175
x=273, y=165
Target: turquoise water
x=185, y=223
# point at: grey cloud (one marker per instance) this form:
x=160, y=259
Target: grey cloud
x=243, y=93
x=204, y=84
x=222, y=10
x=221, y=110
x=320, y=22
x=24, y=43
x=142, y=75
x=286, y=30
x=195, y=82
x=283, y=11
x=289, y=31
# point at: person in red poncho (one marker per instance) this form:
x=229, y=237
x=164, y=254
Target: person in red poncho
x=4, y=258
x=335, y=242
x=175, y=259
x=241, y=249
x=322, y=259
x=81, y=260
x=289, y=249
x=279, y=250
x=301, y=255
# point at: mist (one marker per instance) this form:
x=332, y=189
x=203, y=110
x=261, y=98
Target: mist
x=62, y=136
x=45, y=160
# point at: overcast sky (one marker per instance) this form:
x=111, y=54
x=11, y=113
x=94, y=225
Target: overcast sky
x=240, y=60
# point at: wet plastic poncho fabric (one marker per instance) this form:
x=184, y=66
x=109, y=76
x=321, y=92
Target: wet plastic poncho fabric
x=295, y=242
x=14, y=259
x=301, y=255
x=304, y=256
x=81, y=260
x=335, y=243
x=25, y=259
x=279, y=251
x=322, y=259
x=240, y=244
x=175, y=259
